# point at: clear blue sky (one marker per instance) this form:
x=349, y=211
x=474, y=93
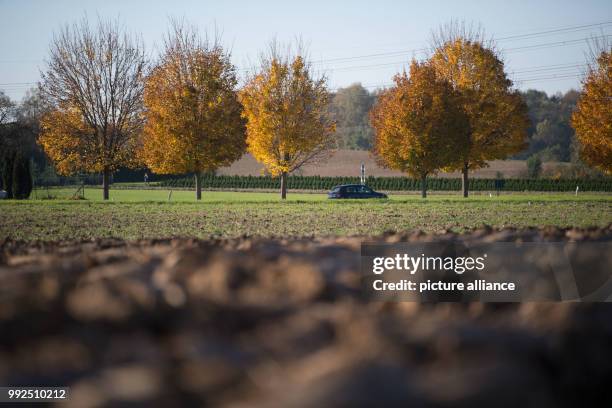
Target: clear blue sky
x=353, y=30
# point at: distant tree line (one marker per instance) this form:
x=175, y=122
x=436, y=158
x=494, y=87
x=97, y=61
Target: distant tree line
x=351, y=107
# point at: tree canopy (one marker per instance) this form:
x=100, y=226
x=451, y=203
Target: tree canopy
x=287, y=112
x=93, y=84
x=593, y=116
x=193, y=114
x=420, y=125
x=497, y=114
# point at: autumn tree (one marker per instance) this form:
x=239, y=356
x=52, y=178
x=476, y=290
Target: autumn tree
x=497, y=113
x=287, y=112
x=93, y=83
x=419, y=124
x=592, y=118
x=193, y=114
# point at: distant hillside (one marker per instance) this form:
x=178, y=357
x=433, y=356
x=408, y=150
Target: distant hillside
x=347, y=162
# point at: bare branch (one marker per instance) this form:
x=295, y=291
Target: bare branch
x=99, y=71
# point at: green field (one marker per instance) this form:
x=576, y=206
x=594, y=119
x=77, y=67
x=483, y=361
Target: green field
x=139, y=194
x=134, y=214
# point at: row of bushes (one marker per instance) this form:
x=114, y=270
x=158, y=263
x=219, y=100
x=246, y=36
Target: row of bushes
x=393, y=183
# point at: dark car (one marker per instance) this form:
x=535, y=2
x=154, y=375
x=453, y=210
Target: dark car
x=354, y=191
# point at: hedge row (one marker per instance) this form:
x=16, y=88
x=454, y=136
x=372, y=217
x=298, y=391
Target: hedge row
x=393, y=183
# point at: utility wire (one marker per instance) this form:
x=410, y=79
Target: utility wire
x=17, y=86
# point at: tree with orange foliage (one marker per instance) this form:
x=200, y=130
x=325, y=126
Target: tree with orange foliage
x=93, y=84
x=592, y=118
x=497, y=113
x=419, y=124
x=192, y=109
x=287, y=112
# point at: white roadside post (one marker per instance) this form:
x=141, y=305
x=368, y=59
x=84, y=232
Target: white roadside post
x=362, y=176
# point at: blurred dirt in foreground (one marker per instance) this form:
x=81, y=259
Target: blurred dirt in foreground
x=267, y=323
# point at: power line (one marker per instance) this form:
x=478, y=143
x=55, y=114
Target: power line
x=384, y=65
x=519, y=80
x=565, y=29
x=425, y=49
x=533, y=32
x=555, y=44
x=556, y=31
x=528, y=79
x=18, y=83
x=549, y=67
x=17, y=86
x=539, y=68
x=544, y=78
x=555, y=68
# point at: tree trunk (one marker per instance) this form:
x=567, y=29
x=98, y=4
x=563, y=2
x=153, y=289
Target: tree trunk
x=198, y=183
x=464, y=179
x=283, y=185
x=424, y=186
x=105, y=183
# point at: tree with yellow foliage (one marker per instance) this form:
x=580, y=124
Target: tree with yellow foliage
x=287, y=112
x=93, y=84
x=592, y=118
x=419, y=124
x=193, y=121
x=497, y=114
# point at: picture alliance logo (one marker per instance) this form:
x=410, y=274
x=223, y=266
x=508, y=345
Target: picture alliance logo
x=413, y=264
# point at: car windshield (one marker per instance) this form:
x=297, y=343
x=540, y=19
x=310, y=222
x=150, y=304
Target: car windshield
x=335, y=189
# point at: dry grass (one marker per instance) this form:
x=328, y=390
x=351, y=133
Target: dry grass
x=347, y=162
